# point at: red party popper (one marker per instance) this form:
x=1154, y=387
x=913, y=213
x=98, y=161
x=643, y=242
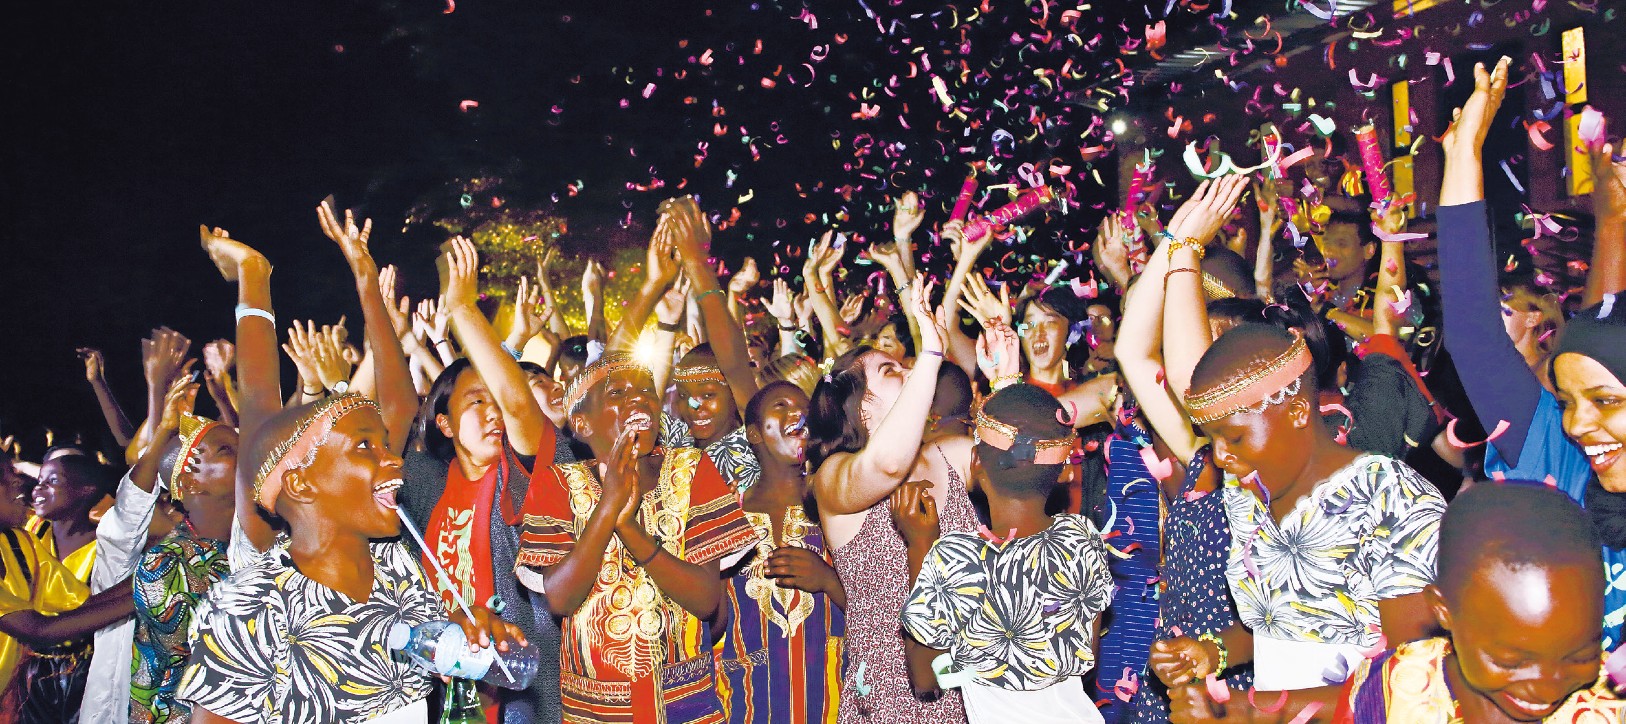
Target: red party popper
x=962, y=205
x=1026, y=203
x=1366, y=139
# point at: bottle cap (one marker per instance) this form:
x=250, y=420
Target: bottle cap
x=399, y=635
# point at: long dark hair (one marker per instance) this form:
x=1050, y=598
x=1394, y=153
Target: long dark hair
x=834, y=419
x=426, y=435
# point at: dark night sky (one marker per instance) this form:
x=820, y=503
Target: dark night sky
x=131, y=123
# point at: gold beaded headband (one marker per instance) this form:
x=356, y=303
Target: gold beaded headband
x=299, y=450
x=1267, y=383
x=596, y=373
x=1214, y=289
x=1001, y=436
x=699, y=373
x=192, y=430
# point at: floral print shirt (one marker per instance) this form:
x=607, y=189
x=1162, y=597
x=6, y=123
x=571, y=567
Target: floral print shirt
x=1368, y=532
x=275, y=646
x=1019, y=614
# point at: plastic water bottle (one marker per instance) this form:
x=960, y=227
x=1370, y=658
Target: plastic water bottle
x=441, y=647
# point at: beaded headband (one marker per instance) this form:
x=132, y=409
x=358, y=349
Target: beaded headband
x=299, y=450
x=1215, y=289
x=1267, y=383
x=192, y=430
x=595, y=373
x=1001, y=436
x=699, y=373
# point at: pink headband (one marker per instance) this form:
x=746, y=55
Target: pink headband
x=299, y=450
x=1266, y=383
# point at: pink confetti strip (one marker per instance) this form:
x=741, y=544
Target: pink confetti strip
x=1456, y=442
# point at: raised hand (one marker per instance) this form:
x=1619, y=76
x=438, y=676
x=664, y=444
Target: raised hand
x=228, y=254
x=852, y=308
x=181, y=397
x=163, y=357
x=669, y=310
x=351, y=239
x=746, y=278
x=620, y=490
x=1470, y=123
x=462, y=270
x=933, y=325
x=592, y=280
x=778, y=305
x=661, y=263
x=907, y=216
x=999, y=353
x=528, y=320
x=988, y=309
x=92, y=357
x=400, y=311
x=1111, y=250
x=827, y=255
x=803, y=304
x=1202, y=215
x=693, y=230
x=1608, y=183
x=218, y=358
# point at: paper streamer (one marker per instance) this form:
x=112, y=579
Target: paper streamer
x=1217, y=690
x=1195, y=164
x=1456, y=442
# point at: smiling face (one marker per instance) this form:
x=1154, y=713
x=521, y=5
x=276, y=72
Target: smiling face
x=1594, y=403
x=65, y=492
x=887, y=341
x=1344, y=251
x=780, y=436
x=1527, y=637
x=351, y=482
x=1044, y=339
x=707, y=406
x=472, y=421
x=624, y=400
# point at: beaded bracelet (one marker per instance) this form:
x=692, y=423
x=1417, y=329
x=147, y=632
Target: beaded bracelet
x=1173, y=272
x=1186, y=243
x=1219, y=645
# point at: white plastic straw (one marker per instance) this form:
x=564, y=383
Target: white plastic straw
x=447, y=581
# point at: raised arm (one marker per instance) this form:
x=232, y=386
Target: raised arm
x=1391, y=270
x=163, y=358
x=392, y=380
x=522, y=416
x=660, y=267
x=1607, y=274
x=219, y=357
x=1498, y=382
x=1139, y=348
x=544, y=283
x=668, y=320
x=819, y=273
x=258, y=366
x=593, y=299
x=850, y=483
x=95, y=374
x=779, y=307
x=1265, y=193
x=691, y=235
x=1186, y=334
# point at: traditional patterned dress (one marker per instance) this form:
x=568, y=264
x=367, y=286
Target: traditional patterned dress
x=1408, y=684
x=53, y=677
x=731, y=453
x=1017, y=618
x=170, y=581
x=1309, y=587
x=1193, y=594
x=631, y=653
x=874, y=567
x=780, y=660
x=275, y=646
x=31, y=578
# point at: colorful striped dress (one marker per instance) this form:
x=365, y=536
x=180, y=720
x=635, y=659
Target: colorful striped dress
x=1131, y=622
x=780, y=658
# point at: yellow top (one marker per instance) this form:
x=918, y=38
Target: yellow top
x=32, y=577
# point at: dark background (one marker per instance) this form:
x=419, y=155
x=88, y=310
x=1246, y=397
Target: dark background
x=131, y=123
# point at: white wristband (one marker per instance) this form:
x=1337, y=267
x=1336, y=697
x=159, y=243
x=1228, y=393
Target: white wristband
x=243, y=310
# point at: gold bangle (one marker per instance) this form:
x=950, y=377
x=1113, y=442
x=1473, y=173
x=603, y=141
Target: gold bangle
x=1219, y=645
x=1003, y=381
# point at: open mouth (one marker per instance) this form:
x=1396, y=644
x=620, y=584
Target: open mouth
x=639, y=421
x=1603, y=456
x=1529, y=708
x=797, y=428
x=384, y=493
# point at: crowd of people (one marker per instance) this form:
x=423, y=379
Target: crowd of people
x=1185, y=498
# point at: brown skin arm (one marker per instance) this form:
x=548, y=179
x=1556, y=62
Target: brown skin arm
x=36, y=629
x=1190, y=704
x=201, y=715
x=727, y=339
x=571, y=579
x=1406, y=618
x=697, y=587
